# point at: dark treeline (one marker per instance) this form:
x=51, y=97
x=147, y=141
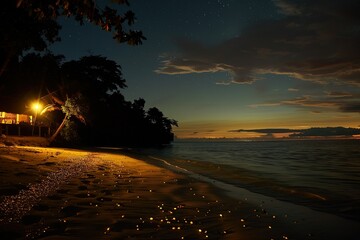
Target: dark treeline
x=82, y=98
x=92, y=87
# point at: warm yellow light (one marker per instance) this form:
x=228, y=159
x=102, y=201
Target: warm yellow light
x=37, y=107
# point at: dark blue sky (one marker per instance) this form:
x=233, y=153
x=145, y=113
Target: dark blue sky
x=219, y=65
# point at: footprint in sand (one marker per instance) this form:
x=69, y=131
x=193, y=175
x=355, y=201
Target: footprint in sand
x=8, y=191
x=82, y=187
x=104, y=199
x=90, y=175
x=30, y=219
x=19, y=174
x=62, y=191
x=55, y=197
x=47, y=164
x=10, y=234
x=85, y=182
x=70, y=211
x=84, y=195
x=102, y=168
x=107, y=192
x=122, y=225
x=97, y=181
x=41, y=207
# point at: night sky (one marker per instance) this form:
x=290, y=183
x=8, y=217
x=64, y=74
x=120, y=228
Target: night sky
x=221, y=65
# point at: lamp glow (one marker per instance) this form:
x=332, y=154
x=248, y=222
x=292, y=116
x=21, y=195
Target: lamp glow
x=36, y=107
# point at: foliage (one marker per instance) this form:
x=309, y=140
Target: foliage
x=91, y=87
x=31, y=25
x=21, y=32
x=95, y=75
x=72, y=107
x=108, y=18
x=75, y=107
x=70, y=134
x=81, y=91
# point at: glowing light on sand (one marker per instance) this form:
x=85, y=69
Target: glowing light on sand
x=14, y=207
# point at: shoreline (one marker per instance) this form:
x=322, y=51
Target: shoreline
x=116, y=195
x=300, y=219
x=113, y=196
x=306, y=219
x=252, y=181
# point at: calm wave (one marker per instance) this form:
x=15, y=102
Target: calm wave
x=324, y=175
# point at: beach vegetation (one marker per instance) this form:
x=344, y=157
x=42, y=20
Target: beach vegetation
x=82, y=98
x=32, y=25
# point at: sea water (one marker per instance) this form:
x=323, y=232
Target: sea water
x=320, y=174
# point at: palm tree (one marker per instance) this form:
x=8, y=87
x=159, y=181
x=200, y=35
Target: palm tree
x=93, y=78
x=71, y=107
x=161, y=125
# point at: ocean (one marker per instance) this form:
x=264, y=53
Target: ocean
x=323, y=175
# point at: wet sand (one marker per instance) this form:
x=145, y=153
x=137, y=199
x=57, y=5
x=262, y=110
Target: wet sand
x=50, y=193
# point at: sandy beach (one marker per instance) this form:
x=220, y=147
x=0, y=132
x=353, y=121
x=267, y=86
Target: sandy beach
x=53, y=193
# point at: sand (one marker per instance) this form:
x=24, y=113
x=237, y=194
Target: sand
x=53, y=193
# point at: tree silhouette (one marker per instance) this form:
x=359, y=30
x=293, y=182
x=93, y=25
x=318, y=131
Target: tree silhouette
x=156, y=117
x=160, y=125
x=21, y=32
x=107, y=18
x=75, y=88
x=94, y=75
x=84, y=84
x=71, y=107
x=28, y=24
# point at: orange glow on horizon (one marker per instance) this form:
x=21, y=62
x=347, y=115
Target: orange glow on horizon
x=225, y=129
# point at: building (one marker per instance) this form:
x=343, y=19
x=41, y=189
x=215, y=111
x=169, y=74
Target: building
x=15, y=118
x=14, y=124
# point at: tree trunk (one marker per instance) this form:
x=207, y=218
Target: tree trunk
x=52, y=138
x=5, y=63
x=4, y=66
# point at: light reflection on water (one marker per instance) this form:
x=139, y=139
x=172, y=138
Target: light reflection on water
x=318, y=169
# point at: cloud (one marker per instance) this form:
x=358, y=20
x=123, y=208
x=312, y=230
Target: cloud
x=223, y=83
x=310, y=132
x=327, y=132
x=337, y=94
x=316, y=112
x=314, y=40
x=304, y=101
x=350, y=107
x=293, y=89
x=344, y=102
x=307, y=101
x=267, y=130
x=185, y=66
x=287, y=8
